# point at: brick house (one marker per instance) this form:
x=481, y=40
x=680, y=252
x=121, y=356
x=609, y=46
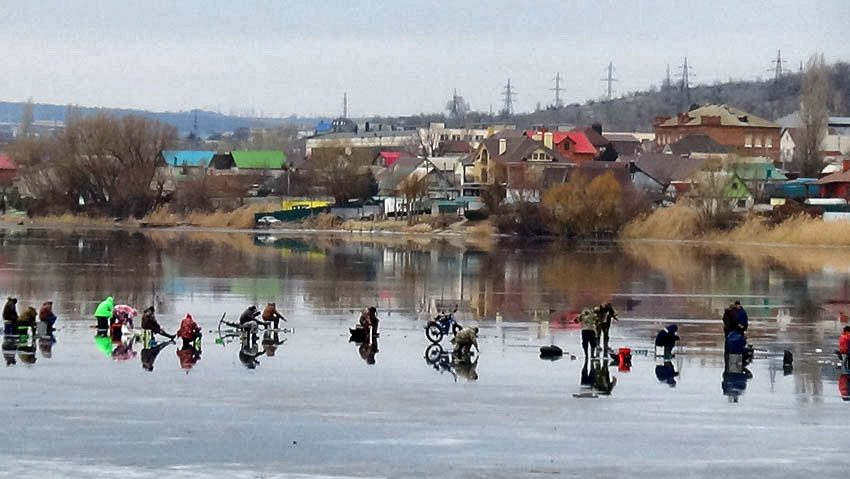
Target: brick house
x=743, y=134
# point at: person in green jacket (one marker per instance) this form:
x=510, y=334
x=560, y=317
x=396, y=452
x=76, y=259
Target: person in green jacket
x=103, y=313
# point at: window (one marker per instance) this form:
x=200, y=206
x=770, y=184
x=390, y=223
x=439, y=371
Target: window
x=748, y=141
x=484, y=175
x=484, y=157
x=768, y=141
x=758, y=141
x=742, y=203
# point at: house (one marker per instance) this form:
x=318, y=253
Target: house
x=787, y=146
x=713, y=188
x=836, y=185
x=656, y=173
x=574, y=146
x=742, y=133
x=439, y=185
x=187, y=158
x=625, y=144
x=757, y=174
x=266, y=163
x=602, y=145
x=697, y=146
x=8, y=171
x=512, y=159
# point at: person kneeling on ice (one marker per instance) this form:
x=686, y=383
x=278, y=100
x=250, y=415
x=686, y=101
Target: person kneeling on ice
x=28, y=318
x=150, y=323
x=248, y=321
x=465, y=339
x=189, y=331
x=45, y=314
x=271, y=315
x=667, y=338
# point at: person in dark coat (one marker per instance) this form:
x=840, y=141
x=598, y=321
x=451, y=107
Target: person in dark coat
x=10, y=315
x=741, y=316
x=730, y=320
x=667, y=338
x=149, y=322
x=666, y=373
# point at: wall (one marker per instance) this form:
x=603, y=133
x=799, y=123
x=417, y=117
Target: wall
x=731, y=136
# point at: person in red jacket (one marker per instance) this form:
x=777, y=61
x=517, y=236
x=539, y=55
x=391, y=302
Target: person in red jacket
x=189, y=331
x=844, y=341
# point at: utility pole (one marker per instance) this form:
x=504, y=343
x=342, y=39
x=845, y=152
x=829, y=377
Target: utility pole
x=508, y=94
x=557, y=90
x=667, y=82
x=610, y=80
x=195, y=126
x=345, y=105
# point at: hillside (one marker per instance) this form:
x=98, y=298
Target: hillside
x=636, y=112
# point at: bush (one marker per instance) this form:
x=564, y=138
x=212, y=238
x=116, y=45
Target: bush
x=523, y=219
x=580, y=207
x=476, y=215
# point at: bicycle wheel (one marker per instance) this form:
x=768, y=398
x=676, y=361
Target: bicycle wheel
x=434, y=333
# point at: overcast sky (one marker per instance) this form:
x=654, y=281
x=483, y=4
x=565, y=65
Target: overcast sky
x=392, y=57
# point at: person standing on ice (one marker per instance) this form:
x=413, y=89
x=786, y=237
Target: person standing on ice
x=588, y=322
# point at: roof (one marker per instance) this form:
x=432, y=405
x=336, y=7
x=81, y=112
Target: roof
x=187, y=157
x=838, y=177
x=665, y=168
x=621, y=137
x=454, y=146
x=390, y=178
x=578, y=138
x=389, y=157
x=6, y=163
x=593, y=169
x=520, y=148
x=758, y=171
x=594, y=137
x=258, y=159
x=729, y=116
x=695, y=144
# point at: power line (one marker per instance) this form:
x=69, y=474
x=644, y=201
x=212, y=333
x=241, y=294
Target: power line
x=777, y=66
x=345, y=105
x=685, y=83
x=610, y=80
x=508, y=94
x=557, y=90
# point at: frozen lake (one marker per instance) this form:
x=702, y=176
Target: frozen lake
x=315, y=407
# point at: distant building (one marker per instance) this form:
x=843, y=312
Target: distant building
x=742, y=133
x=8, y=172
x=270, y=163
x=574, y=146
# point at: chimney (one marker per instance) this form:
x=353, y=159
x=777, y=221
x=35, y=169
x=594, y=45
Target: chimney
x=503, y=145
x=547, y=139
x=490, y=131
x=845, y=165
x=597, y=127
x=684, y=118
x=661, y=119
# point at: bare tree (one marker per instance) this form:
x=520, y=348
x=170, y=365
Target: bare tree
x=457, y=107
x=814, y=99
x=425, y=143
x=27, y=118
x=414, y=190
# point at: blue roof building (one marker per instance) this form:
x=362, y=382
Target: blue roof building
x=179, y=158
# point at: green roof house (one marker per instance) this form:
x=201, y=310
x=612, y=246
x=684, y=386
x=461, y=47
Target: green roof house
x=249, y=160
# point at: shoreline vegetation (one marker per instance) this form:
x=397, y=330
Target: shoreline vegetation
x=668, y=239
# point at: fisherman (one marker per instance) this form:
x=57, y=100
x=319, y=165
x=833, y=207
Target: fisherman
x=667, y=338
x=103, y=313
x=465, y=339
x=189, y=331
x=844, y=341
x=248, y=321
x=10, y=316
x=28, y=318
x=124, y=314
x=271, y=315
x=743, y=319
x=588, y=322
x=604, y=314
x=150, y=323
x=45, y=314
x=730, y=320
x=369, y=320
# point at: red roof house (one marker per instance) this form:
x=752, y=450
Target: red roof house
x=8, y=171
x=572, y=145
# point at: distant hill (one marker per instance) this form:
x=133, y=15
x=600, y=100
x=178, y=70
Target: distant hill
x=208, y=122
x=636, y=112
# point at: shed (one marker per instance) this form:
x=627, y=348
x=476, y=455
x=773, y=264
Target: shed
x=187, y=158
